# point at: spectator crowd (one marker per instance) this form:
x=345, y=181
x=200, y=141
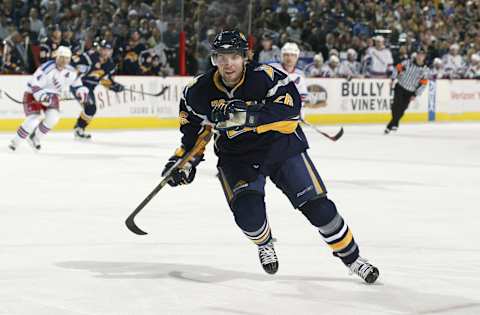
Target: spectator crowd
x=337, y=38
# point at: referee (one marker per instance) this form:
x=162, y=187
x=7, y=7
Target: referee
x=411, y=77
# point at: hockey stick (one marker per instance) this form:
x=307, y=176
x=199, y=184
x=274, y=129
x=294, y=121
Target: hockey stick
x=12, y=98
x=162, y=91
x=202, y=141
x=335, y=137
x=19, y=102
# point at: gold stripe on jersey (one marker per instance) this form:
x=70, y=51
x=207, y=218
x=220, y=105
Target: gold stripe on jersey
x=344, y=242
x=285, y=127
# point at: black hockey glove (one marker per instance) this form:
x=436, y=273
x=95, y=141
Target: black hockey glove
x=184, y=175
x=235, y=114
x=117, y=87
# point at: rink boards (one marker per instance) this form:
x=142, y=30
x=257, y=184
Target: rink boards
x=331, y=101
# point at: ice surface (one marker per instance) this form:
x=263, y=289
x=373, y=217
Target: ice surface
x=411, y=199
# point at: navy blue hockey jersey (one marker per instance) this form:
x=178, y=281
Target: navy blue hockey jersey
x=277, y=135
x=93, y=71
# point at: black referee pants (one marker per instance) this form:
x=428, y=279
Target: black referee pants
x=401, y=99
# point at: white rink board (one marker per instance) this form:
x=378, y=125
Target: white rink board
x=357, y=96
x=458, y=96
x=110, y=104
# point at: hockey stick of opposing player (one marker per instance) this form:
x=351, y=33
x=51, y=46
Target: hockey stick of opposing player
x=335, y=137
x=20, y=102
x=12, y=98
x=198, y=147
x=162, y=91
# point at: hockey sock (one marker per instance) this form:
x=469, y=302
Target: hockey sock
x=250, y=216
x=323, y=214
x=28, y=125
x=51, y=119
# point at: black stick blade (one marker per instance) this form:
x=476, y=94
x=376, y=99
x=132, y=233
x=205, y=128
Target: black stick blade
x=338, y=135
x=165, y=88
x=130, y=223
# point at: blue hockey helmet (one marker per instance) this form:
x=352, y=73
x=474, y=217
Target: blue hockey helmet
x=230, y=41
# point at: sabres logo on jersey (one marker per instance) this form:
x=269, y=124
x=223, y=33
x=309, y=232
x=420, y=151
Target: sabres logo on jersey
x=284, y=99
x=268, y=70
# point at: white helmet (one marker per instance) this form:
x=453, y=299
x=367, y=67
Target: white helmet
x=64, y=51
x=352, y=52
x=334, y=59
x=290, y=48
x=318, y=57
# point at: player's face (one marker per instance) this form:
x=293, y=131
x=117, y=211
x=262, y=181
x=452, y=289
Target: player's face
x=62, y=61
x=106, y=53
x=230, y=66
x=290, y=60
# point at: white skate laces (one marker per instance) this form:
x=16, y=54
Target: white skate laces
x=268, y=258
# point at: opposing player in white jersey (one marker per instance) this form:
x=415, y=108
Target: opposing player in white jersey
x=42, y=96
x=378, y=60
x=289, y=58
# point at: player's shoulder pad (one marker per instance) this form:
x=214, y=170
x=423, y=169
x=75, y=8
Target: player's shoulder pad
x=48, y=66
x=266, y=73
x=198, y=84
x=70, y=68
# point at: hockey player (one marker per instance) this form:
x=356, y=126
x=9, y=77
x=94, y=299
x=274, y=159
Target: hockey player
x=378, y=60
x=95, y=68
x=332, y=68
x=255, y=109
x=352, y=68
x=412, y=77
x=289, y=57
x=473, y=69
x=43, y=96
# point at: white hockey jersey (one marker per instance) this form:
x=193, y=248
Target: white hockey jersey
x=473, y=72
x=297, y=76
x=47, y=79
x=379, y=63
x=453, y=65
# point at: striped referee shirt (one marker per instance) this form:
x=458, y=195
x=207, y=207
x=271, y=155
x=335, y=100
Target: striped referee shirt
x=411, y=76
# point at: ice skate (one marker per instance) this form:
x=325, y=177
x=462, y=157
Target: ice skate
x=268, y=258
x=80, y=134
x=390, y=129
x=33, y=140
x=364, y=270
